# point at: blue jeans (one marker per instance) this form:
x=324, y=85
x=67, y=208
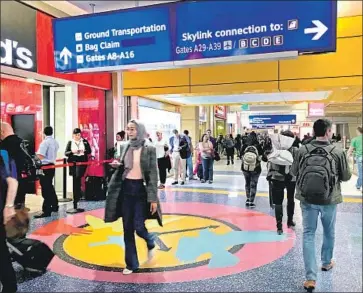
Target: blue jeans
x=208, y=169
x=310, y=214
x=190, y=167
x=360, y=172
x=134, y=213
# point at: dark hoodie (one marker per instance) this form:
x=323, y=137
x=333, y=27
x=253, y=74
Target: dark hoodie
x=12, y=145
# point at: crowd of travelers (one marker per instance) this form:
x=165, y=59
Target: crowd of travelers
x=310, y=171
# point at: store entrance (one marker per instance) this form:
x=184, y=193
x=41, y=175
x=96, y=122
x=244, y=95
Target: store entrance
x=24, y=127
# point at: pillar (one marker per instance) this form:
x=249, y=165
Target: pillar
x=115, y=109
x=190, y=122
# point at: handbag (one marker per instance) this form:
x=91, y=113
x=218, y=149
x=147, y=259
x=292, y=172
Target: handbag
x=216, y=156
x=113, y=205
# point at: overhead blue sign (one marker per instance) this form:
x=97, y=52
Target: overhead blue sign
x=212, y=29
x=172, y=34
x=263, y=126
x=111, y=39
x=272, y=119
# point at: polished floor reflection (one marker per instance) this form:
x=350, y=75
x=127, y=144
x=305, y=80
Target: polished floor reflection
x=209, y=242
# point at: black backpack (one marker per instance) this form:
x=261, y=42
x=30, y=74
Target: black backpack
x=31, y=170
x=317, y=174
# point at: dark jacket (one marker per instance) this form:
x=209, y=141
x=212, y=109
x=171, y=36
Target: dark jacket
x=260, y=153
x=114, y=198
x=12, y=145
x=77, y=170
x=214, y=142
x=344, y=173
x=183, y=145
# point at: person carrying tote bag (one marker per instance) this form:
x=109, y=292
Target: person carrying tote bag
x=132, y=193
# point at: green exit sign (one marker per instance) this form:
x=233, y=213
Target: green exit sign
x=245, y=107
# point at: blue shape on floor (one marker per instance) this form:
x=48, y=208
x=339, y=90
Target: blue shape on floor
x=112, y=240
x=190, y=248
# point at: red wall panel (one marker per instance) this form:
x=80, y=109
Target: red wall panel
x=18, y=97
x=45, y=56
x=91, y=119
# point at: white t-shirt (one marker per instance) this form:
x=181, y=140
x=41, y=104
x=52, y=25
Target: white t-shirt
x=159, y=145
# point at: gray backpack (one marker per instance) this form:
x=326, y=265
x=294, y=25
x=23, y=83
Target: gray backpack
x=250, y=159
x=317, y=174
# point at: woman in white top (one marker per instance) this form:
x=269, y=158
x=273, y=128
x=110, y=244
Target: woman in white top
x=77, y=150
x=120, y=139
x=162, y=147
x=207, y=153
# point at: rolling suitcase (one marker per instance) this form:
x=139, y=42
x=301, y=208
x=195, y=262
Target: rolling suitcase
x=96, y=188
x=33, y=255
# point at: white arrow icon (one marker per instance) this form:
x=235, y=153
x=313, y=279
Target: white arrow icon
x=319, y=30
x=65, y=54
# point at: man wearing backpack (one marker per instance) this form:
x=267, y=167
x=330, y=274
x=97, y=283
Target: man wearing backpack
x=319, y=167
x=251, y=166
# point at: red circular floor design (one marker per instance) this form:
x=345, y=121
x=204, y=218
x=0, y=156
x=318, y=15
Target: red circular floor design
x=251, y=255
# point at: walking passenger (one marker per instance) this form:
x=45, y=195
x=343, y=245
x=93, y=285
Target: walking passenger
x=319, y=167
x=229, y=146
x=356, y=148
x=251, y=154
x=280, y=177
x=133, y=188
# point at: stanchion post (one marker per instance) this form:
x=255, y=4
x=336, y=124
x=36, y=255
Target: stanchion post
x=64, y=198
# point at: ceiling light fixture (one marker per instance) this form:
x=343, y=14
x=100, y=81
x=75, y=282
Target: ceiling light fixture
x=30, y=80
x=345, y=88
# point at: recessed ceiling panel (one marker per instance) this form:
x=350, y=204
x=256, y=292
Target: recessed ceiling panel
x=101, y=6
x=248, y=98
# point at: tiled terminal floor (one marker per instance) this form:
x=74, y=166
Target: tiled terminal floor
x=209, y=242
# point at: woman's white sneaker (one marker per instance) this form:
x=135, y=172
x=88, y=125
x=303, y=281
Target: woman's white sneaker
x=126, y=272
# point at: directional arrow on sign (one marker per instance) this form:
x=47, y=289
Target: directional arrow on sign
x=319, y=30
x=65, y=54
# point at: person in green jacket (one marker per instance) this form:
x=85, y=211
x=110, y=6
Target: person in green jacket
x=356, y=148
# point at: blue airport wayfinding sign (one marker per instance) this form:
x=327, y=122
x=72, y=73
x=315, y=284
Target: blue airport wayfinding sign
x=213, y=29
x=117, y=38
x=272, y=119
x=172, y=34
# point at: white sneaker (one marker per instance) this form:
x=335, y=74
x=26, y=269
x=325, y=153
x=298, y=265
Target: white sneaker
x=150, y=255
x=126, y=272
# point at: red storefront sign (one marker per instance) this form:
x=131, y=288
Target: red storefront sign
x=220, y=112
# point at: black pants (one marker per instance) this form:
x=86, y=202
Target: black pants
x=278, y=192
x=7, y=274
x=251, y=184
x=230, y=155
x=162, y=166
x=50, y=202
x=77, y=190
x=20, y=194
x=134, y=213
